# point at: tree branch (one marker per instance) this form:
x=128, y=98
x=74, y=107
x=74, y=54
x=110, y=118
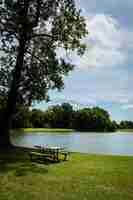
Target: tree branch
x=44, y=35
x=37, y=13
x=37, y=58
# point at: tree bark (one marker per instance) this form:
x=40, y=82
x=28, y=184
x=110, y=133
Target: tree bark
x=6, y=121
x=12, y=96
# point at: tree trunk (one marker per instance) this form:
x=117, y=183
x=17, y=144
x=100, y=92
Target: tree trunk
x=5, y=123
x=12, y=96
x=4, y=138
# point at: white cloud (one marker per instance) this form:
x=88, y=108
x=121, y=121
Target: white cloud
x=107, y=43
x=104, y=75
x=104, y=85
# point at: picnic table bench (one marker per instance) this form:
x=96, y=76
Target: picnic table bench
x=39, y=156
x=51, y=153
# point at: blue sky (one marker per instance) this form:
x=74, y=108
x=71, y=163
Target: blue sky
x=104, y=75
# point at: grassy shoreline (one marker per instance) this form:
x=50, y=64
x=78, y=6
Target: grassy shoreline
x=84, y=176
x=59, y=130
x=47, y=130
x=44, y=130
x=125, y=130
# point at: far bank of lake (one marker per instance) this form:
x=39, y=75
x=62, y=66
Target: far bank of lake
x=61, y=130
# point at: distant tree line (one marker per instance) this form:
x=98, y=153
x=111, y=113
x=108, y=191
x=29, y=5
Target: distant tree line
x=63, y=116
x=126, y=124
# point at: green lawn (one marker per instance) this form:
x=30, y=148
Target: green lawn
x=59, y=130
x=52, y=130
x=83, y=177
x=125, y=130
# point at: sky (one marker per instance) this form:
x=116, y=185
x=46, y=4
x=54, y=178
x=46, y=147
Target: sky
x=103, y=76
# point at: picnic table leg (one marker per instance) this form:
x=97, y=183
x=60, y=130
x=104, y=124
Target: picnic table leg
x=54, y=155
x=65, y=156
x=57, y=153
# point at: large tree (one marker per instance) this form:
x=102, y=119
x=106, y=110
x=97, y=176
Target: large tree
x=31, y=31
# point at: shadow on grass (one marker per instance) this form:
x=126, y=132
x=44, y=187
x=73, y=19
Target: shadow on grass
x=22, y=168
x=32, y=168
x=18, y=163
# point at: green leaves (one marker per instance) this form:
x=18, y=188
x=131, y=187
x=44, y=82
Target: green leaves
x=93, y=119
x=43, y=25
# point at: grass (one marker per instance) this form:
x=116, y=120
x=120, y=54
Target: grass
x=51, y=130
x=83, y=177
x=55, y=130
x=41, y=130
x=125, y=130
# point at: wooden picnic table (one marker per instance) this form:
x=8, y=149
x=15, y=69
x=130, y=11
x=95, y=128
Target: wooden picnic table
x=53, y=151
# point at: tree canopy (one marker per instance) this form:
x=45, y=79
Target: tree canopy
x=31, y=31
x=39, y=27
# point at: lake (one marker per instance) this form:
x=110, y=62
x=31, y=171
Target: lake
x=119, y=143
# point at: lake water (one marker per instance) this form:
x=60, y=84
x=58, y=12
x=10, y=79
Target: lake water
x=120, y=143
